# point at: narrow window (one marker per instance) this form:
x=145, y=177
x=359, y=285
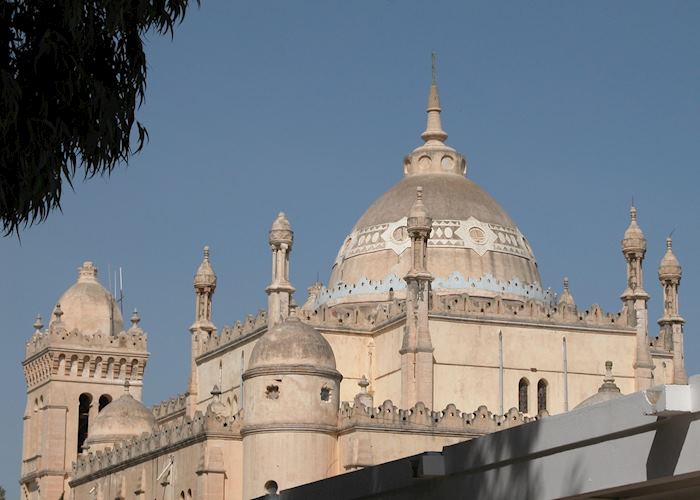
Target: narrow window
x=84, y=402
x=105, y=399
x=523, y=386
x=541, y=395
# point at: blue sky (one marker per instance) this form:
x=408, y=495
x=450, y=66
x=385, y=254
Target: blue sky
x=564, y=110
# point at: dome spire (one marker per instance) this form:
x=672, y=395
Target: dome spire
x=434, y=134
x=434, y=156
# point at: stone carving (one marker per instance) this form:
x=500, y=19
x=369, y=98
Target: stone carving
x=471, y=233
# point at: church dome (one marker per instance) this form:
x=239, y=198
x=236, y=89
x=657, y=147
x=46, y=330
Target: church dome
x=88, y=307
x=474, y=244
x=120, y=420
x=292, y=342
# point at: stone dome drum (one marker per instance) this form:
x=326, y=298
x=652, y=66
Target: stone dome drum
x=88, y=307
x=474, y=245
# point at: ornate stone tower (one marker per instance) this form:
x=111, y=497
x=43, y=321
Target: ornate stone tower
x=73, y=369
x=635, y=298
x=417, y=349
x=280, y=290
x=203, y=327
x=671, y=322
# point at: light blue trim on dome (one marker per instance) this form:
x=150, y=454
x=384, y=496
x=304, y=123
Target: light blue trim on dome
x=455, y=281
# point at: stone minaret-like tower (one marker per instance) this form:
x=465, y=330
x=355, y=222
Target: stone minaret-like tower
x=417, y=349
x=635, y=298
x=73, y=369
x=671, y=322
x=280, y=290
x=203, y=327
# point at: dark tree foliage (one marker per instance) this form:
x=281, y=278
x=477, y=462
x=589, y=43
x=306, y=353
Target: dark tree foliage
x=72, y=73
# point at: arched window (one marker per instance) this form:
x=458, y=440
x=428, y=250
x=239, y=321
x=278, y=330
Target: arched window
x=542, y=395
x=523, y=386
x=105, y=399
x=84, y=402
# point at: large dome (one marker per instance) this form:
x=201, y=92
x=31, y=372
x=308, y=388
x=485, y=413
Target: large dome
x=88, y=307
x=474, y=244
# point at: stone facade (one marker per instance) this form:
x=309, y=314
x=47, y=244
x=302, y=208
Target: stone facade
x=434, y=304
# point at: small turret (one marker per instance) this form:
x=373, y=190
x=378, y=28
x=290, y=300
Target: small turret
x=671, y=323
x=417, y=348
x=635, y=298
x=280, y=290
x=204, y=286
x=203, y=327
x=634, y=247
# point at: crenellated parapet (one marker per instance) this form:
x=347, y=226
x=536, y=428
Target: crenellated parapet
x=57, y=352
x=465, y=305
x=355, y=316
x=370, y=317
x=166, y=439
x=250, y=326
x=420, y=419
x=60, y=338
x=170, y=409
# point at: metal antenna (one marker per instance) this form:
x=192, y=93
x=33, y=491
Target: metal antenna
x=121, y=292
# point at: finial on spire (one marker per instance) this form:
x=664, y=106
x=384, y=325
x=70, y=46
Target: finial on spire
x=434, y=135
x=608, y=372
x=206, y=253
x=566, y=283
x=433, y=57
x=135, y=319
x=38, y=325
x=57, y=313
x=633, y=212
x=363, y=383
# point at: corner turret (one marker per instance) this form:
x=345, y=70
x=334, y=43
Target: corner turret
x=671, y=323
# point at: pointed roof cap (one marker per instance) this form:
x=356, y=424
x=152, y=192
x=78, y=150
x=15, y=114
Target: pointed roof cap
x=281, y=230
x=669, y=268
x=633, y=240
x=205, y=275
x=433, y=129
